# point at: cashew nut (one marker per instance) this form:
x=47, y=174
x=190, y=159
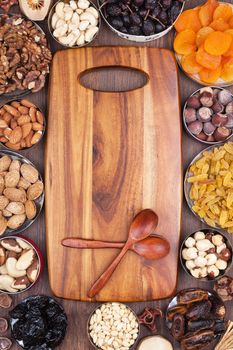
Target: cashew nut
x=68, y=15
x=54, y=20
x=83, y=4
x=60, y=23
x=87, y=16
x=11, y=268
x=59, y=10
x=75, y=19
x=81, y=39
x=73, y=5
x=58, y=32
x=6, y=282
x=90, y=33
x=92, y=10
x=83, y=25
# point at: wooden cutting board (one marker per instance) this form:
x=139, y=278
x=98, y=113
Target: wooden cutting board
x=108, y=156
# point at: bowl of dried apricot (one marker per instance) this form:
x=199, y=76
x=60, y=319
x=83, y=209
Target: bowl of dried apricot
x=208, y=186
x=204, y=43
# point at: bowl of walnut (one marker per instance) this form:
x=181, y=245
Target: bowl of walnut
x=21, y=193
x=206, y=254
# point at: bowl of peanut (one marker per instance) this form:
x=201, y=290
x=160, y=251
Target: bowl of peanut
x=208, y=186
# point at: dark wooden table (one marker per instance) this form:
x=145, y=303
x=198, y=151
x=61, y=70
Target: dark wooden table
x=78, y=312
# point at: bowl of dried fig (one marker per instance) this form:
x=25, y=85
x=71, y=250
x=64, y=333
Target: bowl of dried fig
x=21, y=193
x=22, y=125
x=21, y=264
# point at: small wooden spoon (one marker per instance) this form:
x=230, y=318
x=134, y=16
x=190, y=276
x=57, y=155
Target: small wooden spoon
x=142, y=226
x=153, y=247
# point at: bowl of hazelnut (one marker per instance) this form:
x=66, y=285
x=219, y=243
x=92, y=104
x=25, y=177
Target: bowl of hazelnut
x=208, y=115
x=206, y=254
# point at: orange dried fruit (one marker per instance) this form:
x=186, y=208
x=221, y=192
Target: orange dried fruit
x=185, y=42
x=190, y=65
x=230, y=51
x=206, y=12
x=206, y=60
x=202, y=35
x=227, y=70
x=230, y=22
x=223, y=11
x=210, y=76
x=188, y=19
x=217, y=43
x=219, y=24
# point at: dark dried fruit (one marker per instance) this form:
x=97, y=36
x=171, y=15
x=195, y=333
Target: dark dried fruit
x=148, y=318
x=197, y=340
x=192, y=296
x=199, y=310
x=194, y=326
x=178, y=309
x=224, y=288
x=178, y=326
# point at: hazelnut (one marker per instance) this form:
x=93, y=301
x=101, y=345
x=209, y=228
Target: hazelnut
x=229, y=108
x=225, y=254
x=204, y=272
x=220, y=248
x=221, y=264
x=184, y=254
x=195, y=127
x=196, y=272
x=225, y=97
x=219, y=119
x=200, y=261
x=229, y=124
x=211, y=250
x=190, y=264
x=202, y=136
x=206, y=99
x=213, y=271
x=190, y=115
x=193, y=102
x=190, y=242
x=217, y=107
x=209, y=236
x=209, y=128
x=217, y=240
x=204, y=114
x=211, y=259
x=222, y=133
x=199, y=235
x=210, y=138
x=207, y=89
x=191, y=253
x=203, y=254
x=204, y=245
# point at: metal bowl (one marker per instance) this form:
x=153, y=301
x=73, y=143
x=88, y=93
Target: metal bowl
x=222, y=272
x=98, y=307
x=51, y=12
x=139, y=38
x=40, y=262
x=186, y=126
x=39, y=201
x=42, y=135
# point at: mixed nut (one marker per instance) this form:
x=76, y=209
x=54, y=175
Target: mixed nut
x=75, y=23
x=206, y=254
x=195, y=317
x=19, y=264
x=24, y=54
x=21, y=124
x=20, y=188
x=113, y=326
x=208, y=114
x=224, y=288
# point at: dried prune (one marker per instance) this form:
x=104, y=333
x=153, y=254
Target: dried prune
x=178, y=326
x=199, y=310
x=194, y=326
x=192, y=296
x=39, y=322
x=197, y=340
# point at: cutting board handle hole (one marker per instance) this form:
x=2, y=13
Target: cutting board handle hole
x=113, y=79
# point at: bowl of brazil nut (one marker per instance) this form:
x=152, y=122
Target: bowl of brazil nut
x=21, y=193
x=22, y=125
x=113, y=325
x=21, y=264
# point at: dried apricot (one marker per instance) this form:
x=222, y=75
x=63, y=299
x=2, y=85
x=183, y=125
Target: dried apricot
x=230, y=22
x=202, y=35
x=190, y=65
x=219, y=24
x=230, y=51
x=210, y=76
x=206, y=60
x=227, y=70
x=185, y=42
x=188, y=19
x=223, y=11
x=217, y=43
x=206, y=12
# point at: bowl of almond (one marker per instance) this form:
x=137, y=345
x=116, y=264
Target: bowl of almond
x=21, y=264
x=21, y=193
x=22, y=125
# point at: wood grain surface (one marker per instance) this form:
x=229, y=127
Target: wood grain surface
x=118, y=153
x=78, y=312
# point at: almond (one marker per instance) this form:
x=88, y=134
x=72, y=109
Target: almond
x=6, y=213
x=23, y=109
x=7, y=117
x=16, y=135
x=15, y=104
x=29, y=138
x=30, y=209
x=27, y=103
x=12, y=178
x=24, y=119
x=3, y=225
x=3, y=124
x=2, y=184
x=5, y=163
x=37, y=126
x=3, y=139
x=23, y=183
x=16, y=221
x=40, y=117
x=23, y=144
x=26, y=128
x=7, y=132
x=29, y=173
x=32, y=114
x=35, y=190
x=3, y=202
x=15, y=147
x=13, y=124
x=15, y=165
x=15, y=194
x=12, y=110
x=16, y=208
x=3, y=174
x=36, y=137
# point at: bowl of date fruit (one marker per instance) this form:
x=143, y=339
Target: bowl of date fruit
x=139, y=20
x=208, y=115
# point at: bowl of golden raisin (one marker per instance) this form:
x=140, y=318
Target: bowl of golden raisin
x=204, y=43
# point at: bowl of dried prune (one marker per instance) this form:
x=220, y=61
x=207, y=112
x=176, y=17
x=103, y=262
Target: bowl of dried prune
x=38, y=322
x=140, y=20
x=195, y=317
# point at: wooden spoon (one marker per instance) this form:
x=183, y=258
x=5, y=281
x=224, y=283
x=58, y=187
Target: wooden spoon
x=142, y=226
x=153, y=247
